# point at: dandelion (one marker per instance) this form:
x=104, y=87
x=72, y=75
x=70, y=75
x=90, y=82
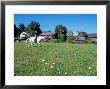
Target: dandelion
x=43, y=68
x=43, y=60
x=53, y=63
x=57, y=68
x=89, y=68
x=46, y=63
x=65, y=73
x=51, y=67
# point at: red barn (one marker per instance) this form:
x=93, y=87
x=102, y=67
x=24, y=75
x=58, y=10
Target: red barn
x=49, y=35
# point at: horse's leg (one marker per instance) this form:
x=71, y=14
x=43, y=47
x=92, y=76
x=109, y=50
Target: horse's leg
x=38, y=44
x=34, y=44
x=31, y=43
x=28, y=42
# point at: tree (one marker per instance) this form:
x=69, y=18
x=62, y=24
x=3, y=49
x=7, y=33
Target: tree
x=17, y=31
x=34, y=27
x=22, y=27
x=60, y=32
x=70, y=38
x=83, y=34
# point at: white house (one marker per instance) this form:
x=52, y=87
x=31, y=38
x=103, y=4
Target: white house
x=75, y=33
x=24, y=35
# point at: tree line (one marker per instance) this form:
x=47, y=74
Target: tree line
x=34, y=28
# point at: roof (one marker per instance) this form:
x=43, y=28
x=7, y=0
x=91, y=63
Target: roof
x=92, y=34
x=47, y=33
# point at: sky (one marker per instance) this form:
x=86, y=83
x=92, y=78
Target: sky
x=48, y=22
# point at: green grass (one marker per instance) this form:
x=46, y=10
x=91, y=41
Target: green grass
x=55, y=59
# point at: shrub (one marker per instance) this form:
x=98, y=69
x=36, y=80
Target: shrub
x=90, y=42
x=70, y=39
x=56, y=40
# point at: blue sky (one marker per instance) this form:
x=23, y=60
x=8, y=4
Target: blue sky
x=73, y=22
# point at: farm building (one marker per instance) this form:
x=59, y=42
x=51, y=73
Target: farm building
x=79, y=39
x=75, y=33
x=24, y=35
x=49, y=35
x=92, y=36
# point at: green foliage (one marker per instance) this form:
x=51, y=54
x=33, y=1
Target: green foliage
x=17, y=31
x=60, y=32
x=34, y=27
x=55, y=59
x=31, y=29
x=21, y=27
x=88, y=41
x=28, y=31
x=83, y=34
x=55, y=41
x=70, y=38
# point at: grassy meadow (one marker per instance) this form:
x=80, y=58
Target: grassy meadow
x=55, y=59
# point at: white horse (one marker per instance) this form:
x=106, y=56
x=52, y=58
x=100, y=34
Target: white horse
x=31, y=40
